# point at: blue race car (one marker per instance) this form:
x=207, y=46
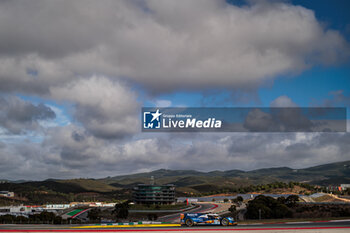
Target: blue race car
x=192, y=219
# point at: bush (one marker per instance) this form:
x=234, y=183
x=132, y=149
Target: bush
x=269, y=207
x=57, y=220
x=152, y=217
x=43, y=217
x=321, y=211
x=21, y=219
x=94, y=214
x=7, y=218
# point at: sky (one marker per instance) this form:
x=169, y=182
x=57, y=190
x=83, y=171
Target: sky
x=75, y=74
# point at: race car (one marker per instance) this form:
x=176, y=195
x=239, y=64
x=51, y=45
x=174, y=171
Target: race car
x=192, y=219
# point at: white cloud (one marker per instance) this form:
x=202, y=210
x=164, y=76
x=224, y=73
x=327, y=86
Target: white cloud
x=163, y=103
x=283, y=102
x=160, y=44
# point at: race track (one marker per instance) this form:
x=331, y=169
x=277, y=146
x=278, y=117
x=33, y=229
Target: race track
x=338, y=227
x=203, y=207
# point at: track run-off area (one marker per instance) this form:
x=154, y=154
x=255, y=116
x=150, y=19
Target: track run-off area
x=338, y=227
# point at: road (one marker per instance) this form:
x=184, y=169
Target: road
x=320, y=227
x=203, y=207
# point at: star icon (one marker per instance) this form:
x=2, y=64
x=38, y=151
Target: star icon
x=156, y=115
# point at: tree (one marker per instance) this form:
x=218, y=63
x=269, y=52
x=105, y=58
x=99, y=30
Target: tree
x=46, y=217
x=57, y=220
x=237, y=200
x=94, y=214
x=291, y=185
x=281, y=200
x=234, y=212
x=152, y=217
x=121, y=210
x=21, y=219
x=292, y=200
x=268, y=207
x=7, y=218
x=232, y=208
x=253, y=211
x=281, y=211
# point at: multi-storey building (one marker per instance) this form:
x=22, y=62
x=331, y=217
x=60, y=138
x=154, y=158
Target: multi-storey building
x=154, y=194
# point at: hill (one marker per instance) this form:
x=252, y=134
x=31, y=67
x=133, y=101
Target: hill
x=60, y=191
x=186, y=181
x=90, y=185
x=61, y=186
x=195, y=181
x=316, y=174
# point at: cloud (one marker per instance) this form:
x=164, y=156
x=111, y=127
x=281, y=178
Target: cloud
x=61, y=118
x=283, y=102
x=70, y=151
x=161, y=45
x=163, y=103
x=92, y=55
x=338, y=98
x=259, y=121
x=284, y=120
x=107, y=109
x=283, y=116
x=17, y=115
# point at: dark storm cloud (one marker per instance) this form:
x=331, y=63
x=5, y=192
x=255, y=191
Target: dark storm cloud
x=17, y=115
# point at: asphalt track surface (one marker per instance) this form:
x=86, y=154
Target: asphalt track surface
x=338, y=227
x=176, y=217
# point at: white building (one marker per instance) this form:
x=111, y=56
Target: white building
x=7, y=194
x=15, y=210
x=57, y=206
